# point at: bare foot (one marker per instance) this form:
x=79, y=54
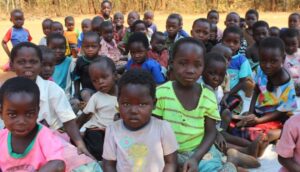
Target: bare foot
x=240, y=169
x=253, y=148
x=262, y=145
x=241, y=160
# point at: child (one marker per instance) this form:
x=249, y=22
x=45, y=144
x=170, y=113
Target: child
x=15, y=34
x=96, y=25
x=201, y=31
x=106, y=7
x=119, y=28
x=138, y=142
x=158, y=49
x=86, y=26
x=251, y=18
x=138, y=46
x=28, y=146
x=260, y=32
x=274, y=31
x=64, y=64
x=81, y=77
x=294, y=21
x=46, y=25
x=71, y=33
x=141, y=26
x=148, y=19
x=243, y=24
x=48, y=63
x=102, y=106
x=213, y=18
x=213, y=35
x=57, y=27
x=55, y=110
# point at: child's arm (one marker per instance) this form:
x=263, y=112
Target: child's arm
x=77, y=89
x=82, y=119
x=109, y=166
x=6, y=49
x=53, y=166
x=289, y=164
x=6, y=38
x=170, y=162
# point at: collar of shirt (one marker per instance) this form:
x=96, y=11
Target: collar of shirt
x=108, y=45
x=41, y=84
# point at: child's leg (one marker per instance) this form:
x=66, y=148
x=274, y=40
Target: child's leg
x=241, y=160
x=274, y=135
x=236, y=140
x=94, y=140
x=248, y=89
x=226, y=119
x=252, y=149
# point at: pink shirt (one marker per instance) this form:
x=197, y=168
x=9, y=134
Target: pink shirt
x=110, y=50
x=292, y=64
x=289, y=144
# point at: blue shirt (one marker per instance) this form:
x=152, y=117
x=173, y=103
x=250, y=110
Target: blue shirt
x=17, y=35
x=61, y=72
x=80, y=40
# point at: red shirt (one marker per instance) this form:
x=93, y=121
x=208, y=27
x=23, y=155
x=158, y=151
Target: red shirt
x=161, y=58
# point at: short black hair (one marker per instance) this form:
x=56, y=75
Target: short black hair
x=56, y=22
x=19, y=85
x=136, y=23
x=289, y=33
x=55, y=36
x=138, y=77
x=106, y=1
x=212, y=11
x=204, y=20
x=260, y=23
x=69, y=18
x=176, y=16
x=233, y=29
x=118, y=13
x=16, y=11
x=105, y=24
x=96, y=22
x=233, y=13
x=275, y=27
x=295, y=14
x=187, y=40
x=16, y=48
x=273, y=42
x=212, y=57
x=45, y=51
x=252, y=11
x=104, y=60
x=91, y=34
x=47, y=20
x=157, y=34
x=138, y=37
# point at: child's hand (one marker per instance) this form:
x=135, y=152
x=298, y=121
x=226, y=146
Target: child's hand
x=248, y=121
x=81, y=149
x=221, y=142
x=224, y=100
x=190, y=165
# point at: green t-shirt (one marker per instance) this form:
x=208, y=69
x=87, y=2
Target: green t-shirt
x=188, y=125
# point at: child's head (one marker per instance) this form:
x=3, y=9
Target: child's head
x=86, y=25
x=271, y=55
x=103, y=74
x=91, y=44
x=188, y=61
x=96, y=24
x=17, y=18
x=70, y=23
x=232, y=19
x=57, y=43
x=274, y=31
x=132, y=17
x=232, y=37
x=107, y=31
x=290, y=39
x=106, y=7
x=158, y=41
x=215, y=69
x=57, y=27
x=25, y=60
x=243, y=24
x=48, y=62
x=118, y=19
x=136, y=98
x=260, y=31
x=223, y=50
x=148, y=18
x=251, y=17
x=213, y=16
x=138, y=46
x=139, y=26
x=201, y=30
x=213, y=35
x=173, y=25
x=19, y=106
x=294, y=21
x=46, y=25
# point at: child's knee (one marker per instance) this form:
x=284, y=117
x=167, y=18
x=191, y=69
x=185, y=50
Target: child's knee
x=248, y=87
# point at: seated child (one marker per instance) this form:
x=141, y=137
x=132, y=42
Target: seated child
x=131, y=18
x=28, y=146
x=138, y=142
x=260, y=32
x=251, y=18
x=86, y=26
x=119, y=28
x=15, y=34
x=243, y=24
x=138, y=46
x=54, y=110
x=105, y=10
x=141, y=26
x=201, y=31
x=274, y=31
x=213, y=18
x=158, y=49
x=46, y=25
x=64, y=64
x=48, y=63
x=148, y=19
x=102, y=106
x=71, y=34
x=57, y=27
x=96, y=25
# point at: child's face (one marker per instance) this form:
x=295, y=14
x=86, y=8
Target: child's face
x=233, y=41
x=48, y=64
x=294, y=22
x=140, y=28
x=232, y=20
x=270, y=61
x=243, y=25
x=27, y=63
x=59, y=48
x=148, y=19
x=118, y=20
x=106, y=9
x=57, y=28
x=19, y=113
x=173, y=26
x=135, y=105
x=138, y=52
x=291, y=45
x=47, y=27
x=158, y=43
x=86, y=26
x=188, y=64
x=213, y=34
x=260, y=33
x=103, y=79
x=214, y=73
x=250, y=20
x=274, y=32
x=107, y=33
x=90, y=47
x=213, y=18
x=70, y=25
x=201, y=31
x=17, y=19
x=96, y=28
x=132, y=17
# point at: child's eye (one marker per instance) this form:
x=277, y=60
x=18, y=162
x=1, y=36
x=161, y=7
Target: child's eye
x=125, y=104
x=11, y=115
x=142, y=104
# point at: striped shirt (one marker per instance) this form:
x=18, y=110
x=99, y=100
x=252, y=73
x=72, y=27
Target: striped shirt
x=188, y=125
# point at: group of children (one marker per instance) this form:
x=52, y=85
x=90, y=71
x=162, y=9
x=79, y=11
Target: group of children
x=137, y=99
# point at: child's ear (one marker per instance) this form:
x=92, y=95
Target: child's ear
x=11, y=66
x=1, y=112
x=154, y=103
